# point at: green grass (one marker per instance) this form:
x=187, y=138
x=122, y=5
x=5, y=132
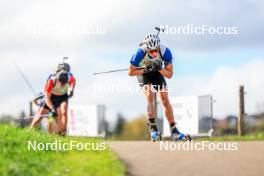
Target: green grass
x=252, y=137
x=16, y=159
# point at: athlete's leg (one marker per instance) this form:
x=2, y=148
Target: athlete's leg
x=58, y=120
x=168, y=111
x=64, y=116
x=149, y=94
x=175, y=134
x=35, y=122
x=166, y=106
x=36, y=119
x=50, y=126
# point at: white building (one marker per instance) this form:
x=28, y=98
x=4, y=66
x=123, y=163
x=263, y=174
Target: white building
x=86, y=120
x=193, y=115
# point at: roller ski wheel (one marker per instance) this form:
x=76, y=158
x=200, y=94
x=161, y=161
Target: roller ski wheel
x=155, y=136
x=188, y=137
x=181, y=137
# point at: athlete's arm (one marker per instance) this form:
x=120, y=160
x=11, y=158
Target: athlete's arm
x=72, y=82
x=167, y=71
x=167, y=58
x=48, y=100
x=35, y=101
x=134, y=71
x=47, y=94
x=135, y=63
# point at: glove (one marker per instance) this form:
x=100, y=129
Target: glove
x=53, y=112
x=154, y=66
x=157, y=65
x=71, y=94
x=149, y=68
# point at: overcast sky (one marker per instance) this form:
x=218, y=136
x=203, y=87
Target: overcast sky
x=103, y=35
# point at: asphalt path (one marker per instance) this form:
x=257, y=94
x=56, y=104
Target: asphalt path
x=144, y=158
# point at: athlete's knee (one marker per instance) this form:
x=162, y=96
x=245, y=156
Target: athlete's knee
x=149, y=96
x=64, y=113
x=165, y=102
x=59, y=114
x=64, y=108
x=150, y=109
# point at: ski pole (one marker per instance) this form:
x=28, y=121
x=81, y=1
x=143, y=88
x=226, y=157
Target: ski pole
x=159, y=29
x=25, y=78
x=118, y=70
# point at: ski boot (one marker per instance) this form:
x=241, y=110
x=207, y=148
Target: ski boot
x=176, y=135
x=155, y=136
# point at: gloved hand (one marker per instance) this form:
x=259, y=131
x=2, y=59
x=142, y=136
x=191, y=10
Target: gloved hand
x=148, y=68
x=71, y=94
x=156, y=65
x=53, y=112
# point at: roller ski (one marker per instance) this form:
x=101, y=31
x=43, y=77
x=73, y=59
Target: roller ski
x=155, y=134
x=181, y=137
x=177, y=136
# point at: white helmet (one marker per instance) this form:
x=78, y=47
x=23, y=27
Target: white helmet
x=64, y=66
x=151, y=41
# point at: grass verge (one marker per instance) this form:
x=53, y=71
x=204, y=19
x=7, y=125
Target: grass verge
x=251, y=137
x=17, y=160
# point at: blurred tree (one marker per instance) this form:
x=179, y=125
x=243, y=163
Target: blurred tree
x=259, y=125
x=119, y=124
x=108, y=131
x=136, y=129
x=22, y=119
x=6, y=119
